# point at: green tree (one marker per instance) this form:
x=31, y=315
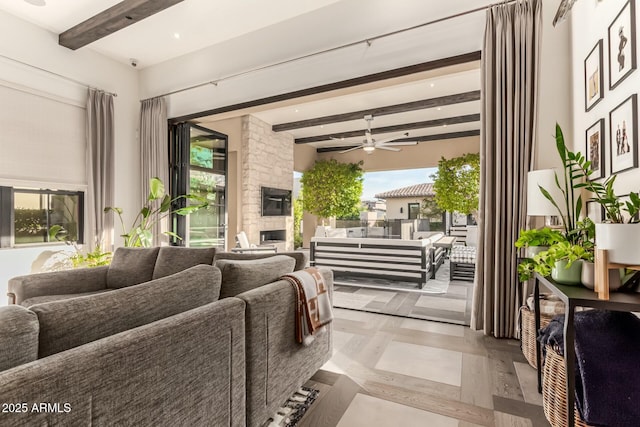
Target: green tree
x=332, y=189
x=430, y=209
x=457, y=183
x=297, y=220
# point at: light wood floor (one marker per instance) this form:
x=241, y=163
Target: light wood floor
x=390, y=371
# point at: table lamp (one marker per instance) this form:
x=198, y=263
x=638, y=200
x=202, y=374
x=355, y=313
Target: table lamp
x=537, y=203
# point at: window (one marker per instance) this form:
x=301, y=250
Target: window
x=27, y=215
x=414, y=210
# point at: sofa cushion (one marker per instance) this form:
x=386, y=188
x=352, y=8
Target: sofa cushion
x=69, y=323
x=18, y=336
x=172, y=259
x=241, y=276
x=302, y=259
x=48, y=298
x=131, y=266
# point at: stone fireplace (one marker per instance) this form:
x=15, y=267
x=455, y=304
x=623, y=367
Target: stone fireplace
x=267, y=161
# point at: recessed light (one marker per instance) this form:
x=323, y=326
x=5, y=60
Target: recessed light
x=444, y=126
x=432, y=84
x=439, y=108
x=36, y=2
x=297, y=110
x=176, y=35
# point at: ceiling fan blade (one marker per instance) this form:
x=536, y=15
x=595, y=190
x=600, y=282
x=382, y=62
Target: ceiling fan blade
x=391, y=138
x=387, y=144
x=336, y=139
x=350, y=149
x=384, y=147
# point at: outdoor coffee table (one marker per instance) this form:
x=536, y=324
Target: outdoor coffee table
x=446, y=242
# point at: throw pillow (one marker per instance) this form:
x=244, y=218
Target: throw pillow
x=131, y=266
x=172, y=259
x=18, y=336
x=301, y=258
x=241, y=276
x=70, y=323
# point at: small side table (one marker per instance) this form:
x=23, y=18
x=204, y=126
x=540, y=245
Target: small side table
x=446, y=242
x=575, y=296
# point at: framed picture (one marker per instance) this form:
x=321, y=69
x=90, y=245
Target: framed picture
x=593, y=80
x=595, y=212
x=595, y=149
x=622, y=44
x=623, y=135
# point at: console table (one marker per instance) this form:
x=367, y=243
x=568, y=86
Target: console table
x=575, y=296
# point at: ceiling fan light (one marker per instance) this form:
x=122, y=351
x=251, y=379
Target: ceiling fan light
x=368, y=149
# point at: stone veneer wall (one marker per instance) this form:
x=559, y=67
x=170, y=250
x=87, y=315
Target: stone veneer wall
x=267, y=161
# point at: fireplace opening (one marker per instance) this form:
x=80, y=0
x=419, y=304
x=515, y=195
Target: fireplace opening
x=273, y=236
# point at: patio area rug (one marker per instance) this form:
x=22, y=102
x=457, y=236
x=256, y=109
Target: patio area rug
x=440, y=299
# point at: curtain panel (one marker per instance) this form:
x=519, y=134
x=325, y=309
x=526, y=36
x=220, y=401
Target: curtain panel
x=154, y=154
x=510, y=73
x=100, y=167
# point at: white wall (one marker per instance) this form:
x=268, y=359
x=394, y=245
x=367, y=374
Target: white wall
x=594, y=19
x=29, y=44
x=555, y=97
x=394, y=205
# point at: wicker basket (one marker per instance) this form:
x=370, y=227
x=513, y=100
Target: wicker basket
x=528, y=334
x=554, y=391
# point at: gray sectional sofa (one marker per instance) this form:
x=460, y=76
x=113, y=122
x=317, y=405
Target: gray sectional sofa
x=96, y=348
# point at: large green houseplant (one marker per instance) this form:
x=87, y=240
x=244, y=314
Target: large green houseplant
x=158, y=206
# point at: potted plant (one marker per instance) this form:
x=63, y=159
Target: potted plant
x=564, y=260
x=537, y=240
x=158, y=206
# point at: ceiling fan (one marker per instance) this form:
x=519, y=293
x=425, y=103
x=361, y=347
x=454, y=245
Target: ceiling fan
x=369, y=144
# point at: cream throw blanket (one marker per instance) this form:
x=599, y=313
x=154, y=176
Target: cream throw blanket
x=313, y=306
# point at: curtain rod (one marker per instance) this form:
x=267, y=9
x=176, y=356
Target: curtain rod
x=368, y=41
x=53, y=73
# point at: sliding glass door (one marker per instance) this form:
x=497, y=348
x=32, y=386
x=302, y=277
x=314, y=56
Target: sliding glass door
x=199, y=167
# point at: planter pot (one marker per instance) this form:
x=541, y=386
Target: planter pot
x=589, y=274
x=567, y=276
x=535, y=250
x=621, y=241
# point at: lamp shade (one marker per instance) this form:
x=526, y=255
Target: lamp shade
x=537, y=204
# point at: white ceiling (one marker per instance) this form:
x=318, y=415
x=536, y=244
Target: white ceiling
x=286, y=29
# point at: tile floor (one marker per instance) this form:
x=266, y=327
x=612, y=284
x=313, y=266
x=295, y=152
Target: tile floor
x=392, y=371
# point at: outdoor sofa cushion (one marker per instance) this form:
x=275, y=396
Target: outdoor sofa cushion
x=72, y=322
x=239, y=276
x=18, y=336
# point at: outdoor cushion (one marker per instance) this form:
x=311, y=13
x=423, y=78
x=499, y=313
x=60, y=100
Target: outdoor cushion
x=48, y=298
x=173, y=259
x=72, y=322
x=18, y=336
x=463, y=254
x=131, y=266
x=241, y=276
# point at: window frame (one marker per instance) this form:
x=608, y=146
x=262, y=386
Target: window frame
x=409, y=205
x=7, y=214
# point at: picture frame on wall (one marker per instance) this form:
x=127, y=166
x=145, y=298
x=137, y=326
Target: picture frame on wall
x=593, y=79
x=595, y=212
x=622, y=44
x=623, y=135
x=594, y=149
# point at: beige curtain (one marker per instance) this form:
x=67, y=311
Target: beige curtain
x=154, y=153
x=510, y=73
x=100, y=168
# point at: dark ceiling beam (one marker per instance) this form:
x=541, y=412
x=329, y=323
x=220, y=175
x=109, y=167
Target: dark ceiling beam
x=425, y=138
x=395, y=128
x=111, y=20
x=370, y=78
x=381, y=111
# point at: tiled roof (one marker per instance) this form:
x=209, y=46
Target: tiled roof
x=419, y=190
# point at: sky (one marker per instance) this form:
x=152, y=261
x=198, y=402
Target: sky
x=379, y=182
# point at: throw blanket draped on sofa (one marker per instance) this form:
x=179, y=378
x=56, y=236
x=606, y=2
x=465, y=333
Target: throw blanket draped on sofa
x=607, y=345
x=313, y=306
